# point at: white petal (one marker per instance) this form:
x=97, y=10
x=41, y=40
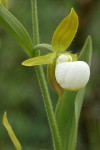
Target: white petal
x=72, y=75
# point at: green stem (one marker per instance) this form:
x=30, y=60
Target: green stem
x=43, y=84
x=35, y=22
x=44, y=46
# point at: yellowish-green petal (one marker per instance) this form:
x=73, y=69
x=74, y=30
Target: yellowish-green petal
x=4, y=3
x=40, y=60
x=52, y=80
x=65, y=32
x=11, y=132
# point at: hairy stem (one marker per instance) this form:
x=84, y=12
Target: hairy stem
x=43, y=84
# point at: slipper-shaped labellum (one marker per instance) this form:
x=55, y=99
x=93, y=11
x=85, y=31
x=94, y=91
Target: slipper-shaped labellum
x=71, y=75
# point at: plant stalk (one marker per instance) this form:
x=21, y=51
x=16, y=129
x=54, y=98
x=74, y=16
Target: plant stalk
x=43, y=83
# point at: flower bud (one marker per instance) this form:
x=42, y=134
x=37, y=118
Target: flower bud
x=72, y=75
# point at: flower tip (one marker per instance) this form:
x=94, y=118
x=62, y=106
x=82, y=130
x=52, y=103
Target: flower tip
x=73, y=13
x=24, y=63
x=72, y=9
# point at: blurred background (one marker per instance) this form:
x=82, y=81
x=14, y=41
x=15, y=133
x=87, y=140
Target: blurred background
x=20, y=94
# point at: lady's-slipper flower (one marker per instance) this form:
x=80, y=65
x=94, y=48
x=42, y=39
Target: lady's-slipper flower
x=71, y=75
x=64, y=71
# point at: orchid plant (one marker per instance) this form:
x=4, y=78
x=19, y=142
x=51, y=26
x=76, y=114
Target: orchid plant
x=67, y=73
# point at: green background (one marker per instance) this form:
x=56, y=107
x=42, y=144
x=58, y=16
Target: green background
x=20, y=94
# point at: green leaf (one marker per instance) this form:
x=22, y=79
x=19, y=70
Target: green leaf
x=11, y=133
x=16, y=29
x=86, y=52
x=69, y=107
x=65, y=32
x=67, y=115
x=40, y=60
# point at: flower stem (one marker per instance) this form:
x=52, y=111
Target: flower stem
x=43, y=84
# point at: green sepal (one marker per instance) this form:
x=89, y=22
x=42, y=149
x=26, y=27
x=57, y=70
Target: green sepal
x=65, y=32
x=40, y=60
x=52, y=80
